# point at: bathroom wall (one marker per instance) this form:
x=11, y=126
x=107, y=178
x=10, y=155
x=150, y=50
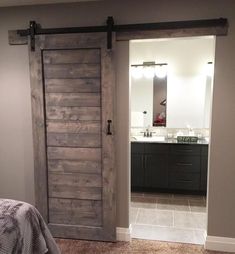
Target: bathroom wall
x=187, y=59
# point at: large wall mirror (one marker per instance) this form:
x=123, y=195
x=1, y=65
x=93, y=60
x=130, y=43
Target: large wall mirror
x=171, y=82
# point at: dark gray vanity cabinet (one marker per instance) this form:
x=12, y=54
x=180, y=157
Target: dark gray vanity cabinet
x=166, y=166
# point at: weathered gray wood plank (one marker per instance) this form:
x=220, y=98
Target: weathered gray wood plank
x=78, y=186
x=74, y=180
x=68, y=153
x=73, y=140
x=65, y=71
x=73, y=113
x=70, y=166
x=71, y=56
x=89, y=127
x=38, y=120
x=75, y=212
x=62, y=41
x=108, y=148
x=73, y=99
x=85, y=85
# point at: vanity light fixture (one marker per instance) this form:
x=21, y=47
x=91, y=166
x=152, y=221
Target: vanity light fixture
x=149, y=70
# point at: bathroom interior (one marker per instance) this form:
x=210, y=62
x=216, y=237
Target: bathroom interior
x=171, y=88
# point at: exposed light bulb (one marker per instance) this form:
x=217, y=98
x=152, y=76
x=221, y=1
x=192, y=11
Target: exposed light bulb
x=148, y=71
x=161, y=71
x=137, y=72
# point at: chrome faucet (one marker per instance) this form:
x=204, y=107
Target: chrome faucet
x=147, y=133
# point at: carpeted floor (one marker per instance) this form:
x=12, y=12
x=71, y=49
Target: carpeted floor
x=135, y=247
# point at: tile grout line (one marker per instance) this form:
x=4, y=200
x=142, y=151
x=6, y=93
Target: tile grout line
x=138, y=209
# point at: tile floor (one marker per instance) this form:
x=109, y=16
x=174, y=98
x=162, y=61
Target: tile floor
x=168, y=217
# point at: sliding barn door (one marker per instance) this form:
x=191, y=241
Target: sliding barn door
x=72, y=82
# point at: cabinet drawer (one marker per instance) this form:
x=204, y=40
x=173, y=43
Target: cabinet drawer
x=137, y=147
x=182, y=163
x=185, y=149
x=156, y=148
x=184, y=181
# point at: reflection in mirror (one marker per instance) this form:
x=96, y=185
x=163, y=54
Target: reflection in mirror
x=149, y=94
x=159, y=101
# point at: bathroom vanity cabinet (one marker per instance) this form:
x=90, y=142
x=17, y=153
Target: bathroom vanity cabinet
x=169, y=167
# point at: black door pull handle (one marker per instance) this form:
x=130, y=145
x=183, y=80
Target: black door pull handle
x=109, y=127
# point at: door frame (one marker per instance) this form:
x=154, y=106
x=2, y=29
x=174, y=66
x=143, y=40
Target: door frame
x=142, y=35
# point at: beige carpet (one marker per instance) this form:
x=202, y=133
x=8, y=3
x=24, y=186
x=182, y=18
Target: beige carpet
x=135, y=246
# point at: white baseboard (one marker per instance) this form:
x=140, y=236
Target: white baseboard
x=220, y=243
x=124, y=234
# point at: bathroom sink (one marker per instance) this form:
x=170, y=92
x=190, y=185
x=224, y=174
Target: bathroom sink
x=149, y=139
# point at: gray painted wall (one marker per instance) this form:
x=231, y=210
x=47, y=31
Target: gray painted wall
x=16, y=156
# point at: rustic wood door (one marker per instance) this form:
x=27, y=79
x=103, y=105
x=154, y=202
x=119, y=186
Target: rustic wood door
x=72, y=84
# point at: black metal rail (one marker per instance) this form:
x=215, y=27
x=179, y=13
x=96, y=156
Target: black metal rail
x=35, y=29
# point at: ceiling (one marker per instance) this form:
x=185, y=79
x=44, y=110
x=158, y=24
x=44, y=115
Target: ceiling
x=5, y=3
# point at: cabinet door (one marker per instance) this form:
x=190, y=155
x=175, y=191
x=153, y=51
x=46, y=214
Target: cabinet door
x=137, y=170
x=156, y=170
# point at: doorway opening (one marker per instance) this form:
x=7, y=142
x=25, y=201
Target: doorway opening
x=171, y=88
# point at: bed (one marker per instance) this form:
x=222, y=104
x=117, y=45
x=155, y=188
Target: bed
x=23, y=230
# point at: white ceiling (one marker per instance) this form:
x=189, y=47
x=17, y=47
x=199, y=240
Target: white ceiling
x=5, y=3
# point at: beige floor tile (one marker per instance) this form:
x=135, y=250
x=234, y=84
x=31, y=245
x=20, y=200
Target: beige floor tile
x=159, y=195
x=189, y=220
x=137, y=194
x=133, y=214
x=199, y=236
x=192, y=197
x=169, y=234
x=142, y=231
x=197, y=206
x=155, y=217
x=173, y=204
x=143, y=202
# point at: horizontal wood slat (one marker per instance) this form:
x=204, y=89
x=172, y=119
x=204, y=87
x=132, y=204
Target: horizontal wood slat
x=79, y=188
x=73, y=99
x=85, y=85
x=73, y=113
x=71, y=71
x=71, y=56
x=73, y=140
x=72, y=41
x=69, y=166
x=74, y=180
x=75, y=212
x=68, y=153
x=74, y=127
